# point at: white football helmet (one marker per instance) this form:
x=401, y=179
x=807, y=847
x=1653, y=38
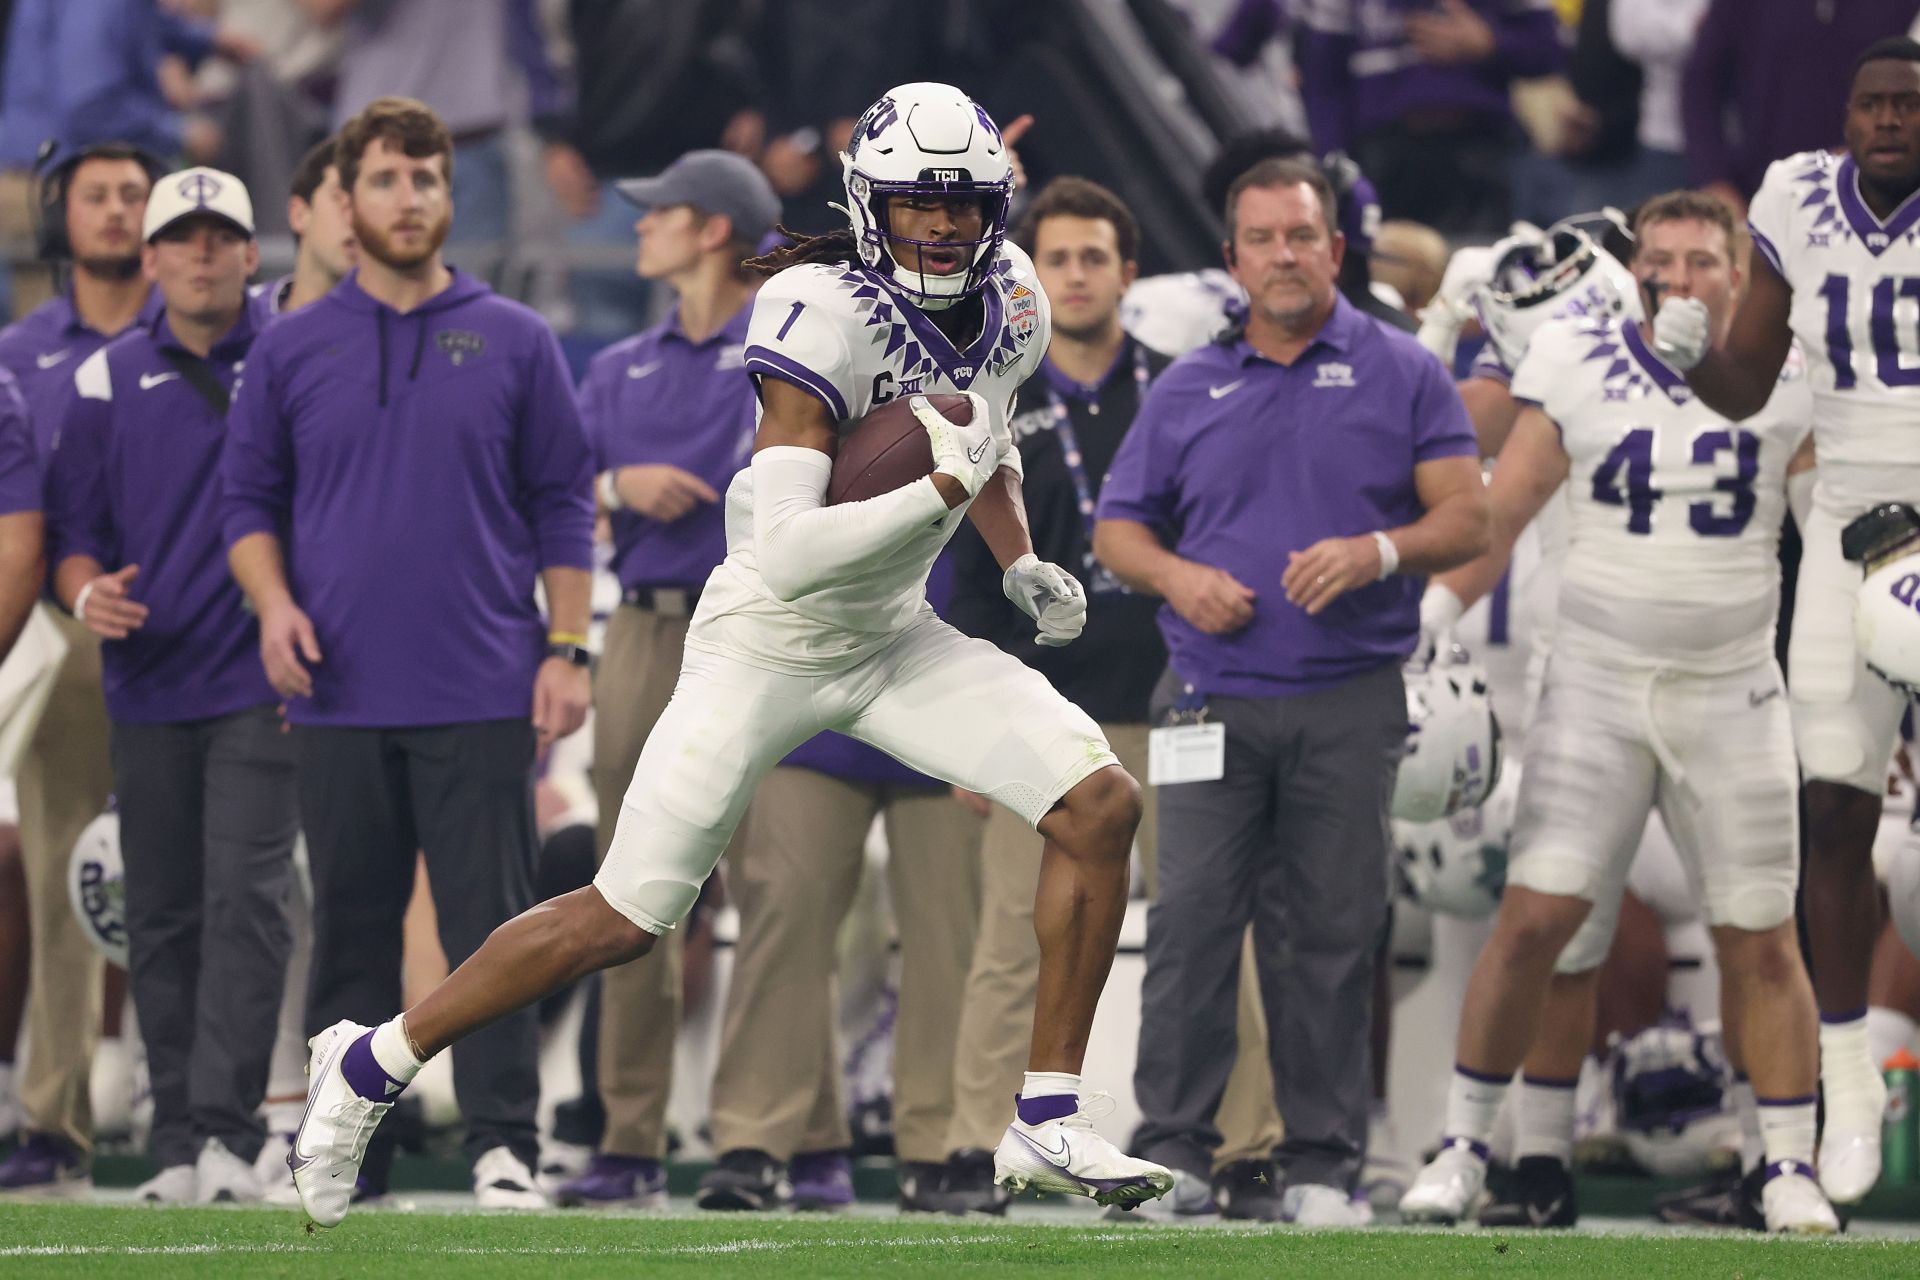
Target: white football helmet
x=1541, y=275
x=97, y=888
x=1452, y=759
x=1458, y=865
x=1886, y=615
x=927, y=139
x=1673, y=1103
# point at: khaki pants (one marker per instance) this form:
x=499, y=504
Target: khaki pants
x=996, y=1020
x=793, y=874
x=65, y=780
x=640, y=1001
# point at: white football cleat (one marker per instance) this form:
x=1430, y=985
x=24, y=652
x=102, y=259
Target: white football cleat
x=1450, y=1187
x=221, y=1177
x=1850, y=1140
x=172, y=1185
x=332, y=1138
x=1191, y=1200
x=1794, y=1203
x=501, y=1180
x=1069, y=1156
x=1311, y=1204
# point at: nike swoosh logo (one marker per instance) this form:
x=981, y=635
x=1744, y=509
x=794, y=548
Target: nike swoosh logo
x=1216, y=392
x=1755, y=699
x=1058, y=1158
x=974, y=455
x=148, y=381
x=52, y=358
x=642, y=370
x=1540, y=1217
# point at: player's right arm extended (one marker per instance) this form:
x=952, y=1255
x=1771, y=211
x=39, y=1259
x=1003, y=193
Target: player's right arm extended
x=1737, y=379
x=1529, y=470
x=800, y=543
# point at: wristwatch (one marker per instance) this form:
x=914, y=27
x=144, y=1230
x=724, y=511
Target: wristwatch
x=577, y=654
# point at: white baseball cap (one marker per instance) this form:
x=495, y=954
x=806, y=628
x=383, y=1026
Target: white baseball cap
x=198, y=190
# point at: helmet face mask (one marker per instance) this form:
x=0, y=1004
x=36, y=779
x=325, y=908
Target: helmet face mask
x=1538, y=276
x=931, y=142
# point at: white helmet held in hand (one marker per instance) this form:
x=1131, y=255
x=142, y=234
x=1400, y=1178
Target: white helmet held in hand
x=927, y=139
x=1458, y=865
x=1539, y=276
x=96, y=886
x=1886, y=615
x=1452, y=757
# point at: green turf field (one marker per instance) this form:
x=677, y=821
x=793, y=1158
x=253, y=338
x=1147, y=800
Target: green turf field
x=49, y=1240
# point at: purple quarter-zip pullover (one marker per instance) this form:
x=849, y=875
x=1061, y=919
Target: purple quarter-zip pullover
x=421, y=470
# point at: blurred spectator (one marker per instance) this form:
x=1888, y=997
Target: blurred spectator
x=471, y=61
x=1410, y=259
x=652, y=80
x=322, y=225
x=1769, y=78
x=1584, y=125
x=1297, y=655
x=92, y=204
x=778, y=1114
x=22, y=571
x=670, y=413
x=404, y=459
x=1658, y=36
x=203, y=771
x=1418, y=94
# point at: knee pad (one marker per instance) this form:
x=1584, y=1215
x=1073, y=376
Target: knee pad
x=1753, y=907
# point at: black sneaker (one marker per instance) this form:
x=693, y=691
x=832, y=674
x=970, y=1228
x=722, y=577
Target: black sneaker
x=1537, y=1193
x=922, y=1185
x=744, y=1179
x=1249, y=1190
x=1729, y=1202
x=969, y=1187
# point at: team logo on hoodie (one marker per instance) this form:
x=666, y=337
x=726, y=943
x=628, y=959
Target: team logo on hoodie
x=459, y=344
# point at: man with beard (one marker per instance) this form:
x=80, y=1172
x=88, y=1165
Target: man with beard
x=404, y=457
x=93, y=202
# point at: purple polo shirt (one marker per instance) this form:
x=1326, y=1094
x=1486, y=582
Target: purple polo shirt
x=135, y=479
x=1235, y=460
x=660, y=397
x=20, y=470
x=42, y=349
x=420, y=470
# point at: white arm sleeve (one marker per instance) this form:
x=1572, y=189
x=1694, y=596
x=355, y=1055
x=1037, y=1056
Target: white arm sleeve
x=802, y=545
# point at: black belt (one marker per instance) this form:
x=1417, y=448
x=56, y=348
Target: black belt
x=671, y=602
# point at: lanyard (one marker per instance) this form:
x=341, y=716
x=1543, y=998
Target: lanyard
x=1098, y=578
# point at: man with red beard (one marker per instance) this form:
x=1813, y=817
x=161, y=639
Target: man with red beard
x=404, y=457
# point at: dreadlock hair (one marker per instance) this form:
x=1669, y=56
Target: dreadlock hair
x=835, y=246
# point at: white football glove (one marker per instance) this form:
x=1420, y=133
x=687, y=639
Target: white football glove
x=1450, y=308
x=1680, y=332
x=969, y=454
x=1050, y=596
x=1440, y=611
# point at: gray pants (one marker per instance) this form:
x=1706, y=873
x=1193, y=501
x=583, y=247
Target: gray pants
x=208, y=815
x=462, y=794
x=1294, y=840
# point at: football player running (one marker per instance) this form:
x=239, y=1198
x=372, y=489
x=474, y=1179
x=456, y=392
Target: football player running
x=1662, y=694
x=816, y=620
x=1838, y=267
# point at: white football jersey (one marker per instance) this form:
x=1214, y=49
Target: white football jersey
x=1856, y=314
x=845, y=335
x=1674, y=512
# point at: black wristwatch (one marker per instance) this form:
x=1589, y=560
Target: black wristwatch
x=577, y=654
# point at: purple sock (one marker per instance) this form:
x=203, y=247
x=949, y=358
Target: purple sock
x=365, y=1075
x=1048, y=1107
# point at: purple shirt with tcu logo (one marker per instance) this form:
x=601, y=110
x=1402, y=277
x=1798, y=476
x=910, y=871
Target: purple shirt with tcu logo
x=1235, y=460
x=420, y=470
x=135, y=479
x=660, y=397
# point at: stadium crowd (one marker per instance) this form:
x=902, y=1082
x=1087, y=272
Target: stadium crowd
x=378, y=439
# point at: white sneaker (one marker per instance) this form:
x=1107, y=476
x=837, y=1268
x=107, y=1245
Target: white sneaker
x=1850, y=1141
x=1067, y=1155
x=561, y=1163
x=1450, y=1187
x=221, y=1177
x=172, y=1185
x=501, y=1180
x=276, y=1180
x=1310, y=1204
x=1191, y=1200
x=332, y=1138
x=1794, y=1202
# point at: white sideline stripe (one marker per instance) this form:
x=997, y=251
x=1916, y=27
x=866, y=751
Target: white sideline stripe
x=723, y=1247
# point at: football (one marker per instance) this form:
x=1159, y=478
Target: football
x=888, y=449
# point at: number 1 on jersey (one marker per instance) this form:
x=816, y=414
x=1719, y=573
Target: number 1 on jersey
x=1890, y=353
x=788, y=322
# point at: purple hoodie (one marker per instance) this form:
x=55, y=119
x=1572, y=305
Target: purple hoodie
x=420, y=470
